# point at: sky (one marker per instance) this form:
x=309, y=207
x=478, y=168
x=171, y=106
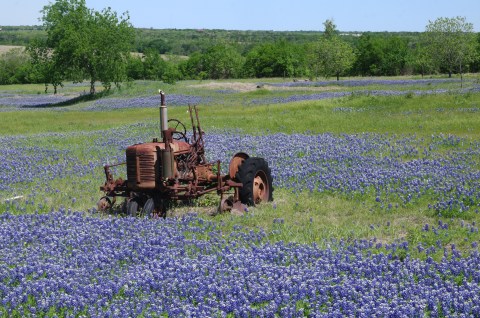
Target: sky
x=275, y=15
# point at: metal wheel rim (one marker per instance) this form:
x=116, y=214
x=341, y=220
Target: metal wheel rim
x=104, y=204
x=261, y=187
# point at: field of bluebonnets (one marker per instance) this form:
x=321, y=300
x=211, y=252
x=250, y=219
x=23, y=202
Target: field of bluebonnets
x=375, y=211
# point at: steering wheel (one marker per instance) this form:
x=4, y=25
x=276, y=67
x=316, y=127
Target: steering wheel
x=178, y=134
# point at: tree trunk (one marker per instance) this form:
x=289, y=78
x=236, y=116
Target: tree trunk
x=92, y=87
x=461, y=76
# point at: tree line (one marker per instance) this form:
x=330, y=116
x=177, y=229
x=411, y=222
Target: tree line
x=82, y=44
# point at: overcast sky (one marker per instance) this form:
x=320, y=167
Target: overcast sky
x=277, y=15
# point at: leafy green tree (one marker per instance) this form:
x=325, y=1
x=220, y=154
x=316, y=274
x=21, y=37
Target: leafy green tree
x=311, y=60
x=421, y=60
x=43, y=67
x=86, y=43
x=369, y=56
x=193, y=68
x=153, y=65
x=279, y=59
x=171, y=74
x=158, y=44
x=395, y=54
x=217, y=62
x=14, y=67
x=334, y=55
x=222, y=62
x=135, y=68
x=330, y=29
x=475, y=67
x=451, y=43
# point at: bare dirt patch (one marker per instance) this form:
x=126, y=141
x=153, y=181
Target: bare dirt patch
x=248, y=87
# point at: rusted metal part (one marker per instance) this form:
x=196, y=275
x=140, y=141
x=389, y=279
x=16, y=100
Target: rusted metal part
x=176, y=169
x=236, y=162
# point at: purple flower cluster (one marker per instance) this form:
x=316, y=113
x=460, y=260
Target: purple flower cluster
x=23, y=164
x=147, y=101
x=30, y=100
x=78, y=265
x=326, y=95
x=365, y=82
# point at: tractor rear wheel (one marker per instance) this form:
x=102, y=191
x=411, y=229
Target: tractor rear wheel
x=256, y=177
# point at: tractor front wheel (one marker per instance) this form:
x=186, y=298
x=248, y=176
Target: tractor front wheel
x=256, y=177
x=148, y=208
x=132, y=207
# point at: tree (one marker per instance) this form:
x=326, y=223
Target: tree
x=153, y=65
x=88, y=44
x=334, y=55
x=369, y=55
x=135, y=68
x=279, y=59
x=330, y=29
x=193, y=67
x=14, y=67
x=394, y=57
x=222, y=62
x=451, y=43
x=43, y=67
x=476, y=64
x=421, y=60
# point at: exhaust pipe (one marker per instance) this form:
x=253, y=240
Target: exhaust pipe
x=163, y=114
x=166, y=155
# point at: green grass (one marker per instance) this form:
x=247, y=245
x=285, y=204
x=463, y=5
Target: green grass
x=422, y=115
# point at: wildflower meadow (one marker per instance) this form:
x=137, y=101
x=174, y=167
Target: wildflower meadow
x=375, y=211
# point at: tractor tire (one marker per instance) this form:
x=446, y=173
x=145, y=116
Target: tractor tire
x=256, y=177
x=148, y=208
x=132, y=208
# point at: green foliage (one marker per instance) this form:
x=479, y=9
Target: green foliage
x=14, y=67
x=218, y=62
x=378, y=56
x=153, y=65
x=87, y=44
x=280, y=59
x=451, y=43
x=421, y=61
x=134, y=67
x=43, y=66
x=77, y=43
x=222, y=61
x=335, y=56
x=330, y=29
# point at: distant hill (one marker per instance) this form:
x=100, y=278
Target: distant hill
x=187, y=41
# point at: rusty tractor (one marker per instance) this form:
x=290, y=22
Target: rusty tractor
x=175, y=169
